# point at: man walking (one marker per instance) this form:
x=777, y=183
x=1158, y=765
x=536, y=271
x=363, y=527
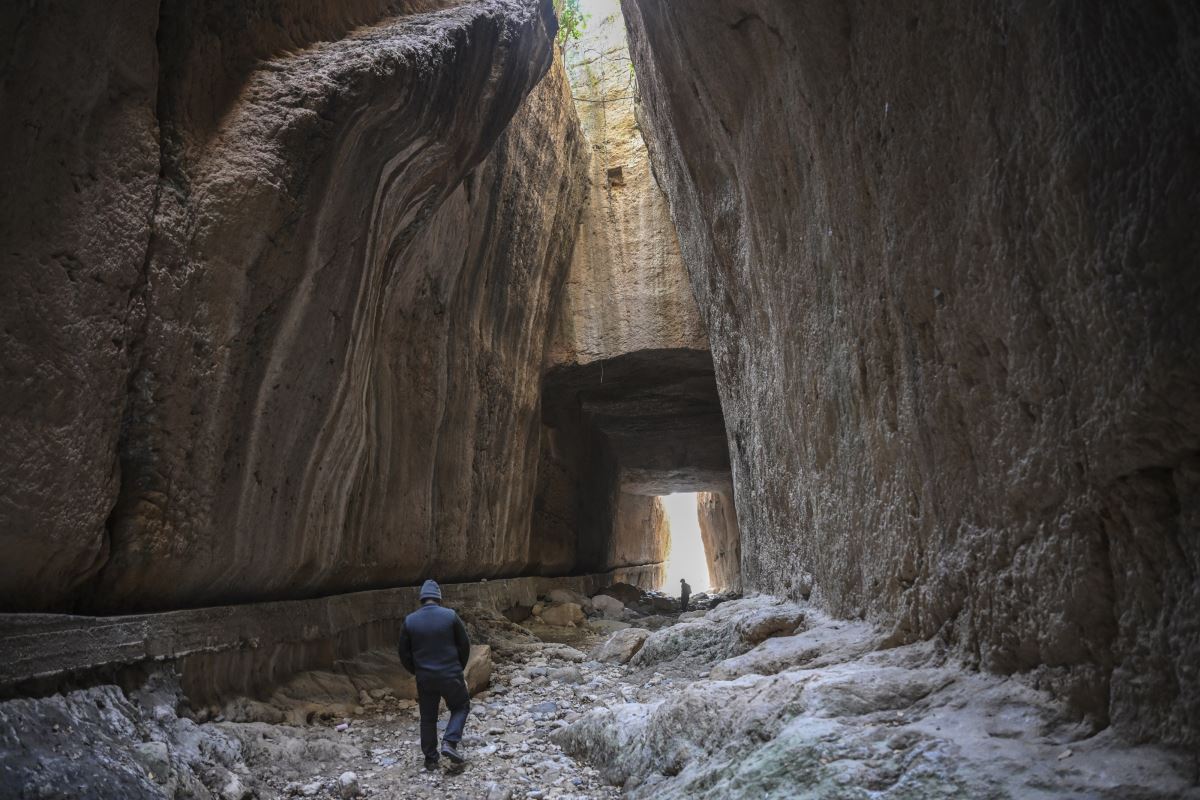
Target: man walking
x=434, y=646
x=685, y=594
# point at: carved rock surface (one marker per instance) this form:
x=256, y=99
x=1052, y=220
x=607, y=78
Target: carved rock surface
x=722, y=539
x=627, y=289
x=946, y=262
x=308, y=331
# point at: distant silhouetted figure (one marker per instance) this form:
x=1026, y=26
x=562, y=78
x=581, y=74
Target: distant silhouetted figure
x=685, y=594
x=434, y=646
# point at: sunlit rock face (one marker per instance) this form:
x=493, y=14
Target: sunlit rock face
x=296, y=303
x=627, y=288
x=946, y=262
x=722, y=539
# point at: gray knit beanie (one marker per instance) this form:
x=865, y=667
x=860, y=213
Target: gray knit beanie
x=431, y=591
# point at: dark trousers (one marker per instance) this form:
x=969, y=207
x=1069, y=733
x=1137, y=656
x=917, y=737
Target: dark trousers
x=683, y=601
x=430, y=693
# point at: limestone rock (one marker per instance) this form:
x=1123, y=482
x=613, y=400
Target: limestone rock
x=563, y=614
x=630, y=403
x=621, y=646
x=283, y=267
x=629, y=595
x=610, y=607
x=812, y=649
x=716, y=635
x=607, y=626
x=768, y=622
x=478, y=673
x=567, y=596
x=722, y=539
x=899, y=721
x=155, y=757
x=348, y=786
x=961, y=393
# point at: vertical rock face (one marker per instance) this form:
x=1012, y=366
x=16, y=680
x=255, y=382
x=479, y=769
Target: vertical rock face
x=946, y=261
x=313, y=320
x=641, y=534
x=722, y=539
x=627, y=289
x=80, y=166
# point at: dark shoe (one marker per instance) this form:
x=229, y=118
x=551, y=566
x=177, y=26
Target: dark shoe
x=451, y=752
x=431, y=765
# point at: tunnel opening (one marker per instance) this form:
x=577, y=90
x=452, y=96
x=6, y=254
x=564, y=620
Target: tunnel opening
x=687, y=557
x=622, y=438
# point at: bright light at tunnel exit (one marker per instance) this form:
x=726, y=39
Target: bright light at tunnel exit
x=686, y=557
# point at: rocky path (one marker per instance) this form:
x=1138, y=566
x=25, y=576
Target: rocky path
x=535, y=691
x=755, y=698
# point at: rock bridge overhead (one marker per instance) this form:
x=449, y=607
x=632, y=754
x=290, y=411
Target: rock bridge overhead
x=657, y=411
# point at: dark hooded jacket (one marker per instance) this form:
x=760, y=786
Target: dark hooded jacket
x=434, y=643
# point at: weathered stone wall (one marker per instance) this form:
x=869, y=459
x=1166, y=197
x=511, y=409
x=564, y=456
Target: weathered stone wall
x=722, y=539
x=627, y=289
x=80, y=162
x=641, y=534
x=276, y=326
x=947, y=264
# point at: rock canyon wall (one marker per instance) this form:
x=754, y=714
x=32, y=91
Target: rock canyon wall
x=947, y=264
x=276, y=302
x=722, y=539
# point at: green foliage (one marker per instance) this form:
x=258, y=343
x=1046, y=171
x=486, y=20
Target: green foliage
x=571, y=21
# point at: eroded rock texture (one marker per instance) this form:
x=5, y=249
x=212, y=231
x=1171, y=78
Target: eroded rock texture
x=722, y=539
x=627, y=289
x=274, y=320
x=80, y=144
x=946, y=260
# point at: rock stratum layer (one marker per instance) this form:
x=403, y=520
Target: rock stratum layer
x=946, y=261
x=276, y=303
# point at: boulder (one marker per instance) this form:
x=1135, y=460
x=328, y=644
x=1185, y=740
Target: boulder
x=563, y=652
x=518, y=613
x=348, y=786
x=568, y=596
x=768, y=622
x=621, y=646
x=563, y=614
x=609, y=607
x=479, y=669
x=823, y=645
x=607, y=626
x=624, y=592
x=656, y=603
x=571, y=675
